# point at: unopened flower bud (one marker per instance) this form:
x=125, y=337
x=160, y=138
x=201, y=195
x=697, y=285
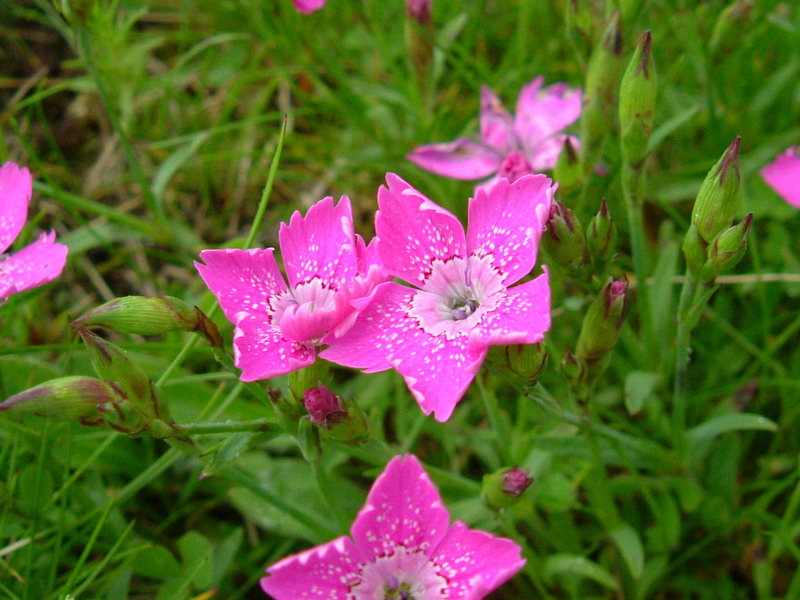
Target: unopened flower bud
x=718, y=197
x=602, y=76
x=730, y=21
x=564, y=239
x=602, y=323
x=66, y=398
x=694, y=251
x=505, y=487
x=150, y=316
x=574, y=368
x=637, y=102
x=726, y=250
x=602, y=236
x=419, y=10
x=341, y=419
x=521, y=360
x=568, y=170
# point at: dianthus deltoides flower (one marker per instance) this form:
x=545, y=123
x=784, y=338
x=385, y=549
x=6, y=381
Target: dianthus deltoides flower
x=401, y=547
x=37, y=263
x=437, y=333
x=279, y=327
x=526, y=143
x=783, y=175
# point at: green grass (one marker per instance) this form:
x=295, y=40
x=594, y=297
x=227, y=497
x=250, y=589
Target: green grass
x=150, y=130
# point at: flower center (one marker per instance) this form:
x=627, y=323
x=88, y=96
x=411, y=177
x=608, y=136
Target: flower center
x=401, y=575
x=394, y=590
x=462, y=309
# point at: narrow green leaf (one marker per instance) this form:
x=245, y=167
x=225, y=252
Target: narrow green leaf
x=572, y=565
x=170, y=166
x=630, y=547
x=638, y=387
x=730, y=422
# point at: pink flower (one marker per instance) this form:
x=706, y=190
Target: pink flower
x=37, y=263
x=278, y=328
x=401, y=546
x=783, y=176
x=510, y=146
x=308, y=6
x=436, y=334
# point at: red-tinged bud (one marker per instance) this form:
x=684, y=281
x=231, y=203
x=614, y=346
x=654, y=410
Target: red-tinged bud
x=568, y=170
x=718, y=198
x=65, y=399
x=338, y=418
x=602, y=325
x=564, y=239
x=504, y=488
x=419, y=10
x=602, y=236
x=637, y=102
x=150, y=316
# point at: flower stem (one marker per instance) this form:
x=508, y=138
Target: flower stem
x=503, y=443
x=225, y=427
x=682, y=361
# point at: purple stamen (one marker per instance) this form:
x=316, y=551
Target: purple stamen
x=392, y=582
x=459, y=314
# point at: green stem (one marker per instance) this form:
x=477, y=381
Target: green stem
x=502, y=443
x=632, y=186
x=682, y=362
x=226, y=427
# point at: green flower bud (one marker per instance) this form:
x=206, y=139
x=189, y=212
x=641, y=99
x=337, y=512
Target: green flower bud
x=599, y=103
x=694, y=251
x=504, y=488
x=66, y=398
x=730, y=22
x=564, y=239
x=574, y=368
x=525, y=361
x=150, y=316
x=718, y=198
x=602, y=236
x=340, y=419
x=726, y=250
x=568, y=170
x=637, y=102
x=602, y=324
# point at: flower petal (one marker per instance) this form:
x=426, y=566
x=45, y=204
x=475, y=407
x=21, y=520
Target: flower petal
x=413, y=231
x=261, y=352
x=322, y=573
x=543, y=112
x=544, y=155
x=497, y=124
x=403, y=509
x=507, y=223
x=321, y=244
x=242, y=280
x=521, y=317
x=475, y=562
x=15, y=195
x=32, y=266
x=783, y=176
x=308, y=6
x=460, y=159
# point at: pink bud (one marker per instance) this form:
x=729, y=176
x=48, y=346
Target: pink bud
x=419, y=10
x=323, y=406
x=516, y=481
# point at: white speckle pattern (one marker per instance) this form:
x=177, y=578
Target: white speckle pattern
x=426, y=334
x=15, y=195
x=400, y=538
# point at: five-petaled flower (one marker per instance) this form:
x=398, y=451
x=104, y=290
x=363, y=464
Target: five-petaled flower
x=783, y=175
x=401, y=547
x=510, y=147
x=436, y=334
x=278, y=328
x=37, y=263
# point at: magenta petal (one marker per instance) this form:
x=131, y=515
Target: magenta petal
x=261, y=352
x=242, y=280
x=783, y=176
x=475, y=562
x=377, y=331
x=321, y=244
x=507, y=223
x=323, y=573
x=543, y=112
x=32, y=266
x=308, y=6
x=461, y=159
x=413, y=231
x=497, y=125
x=522, y=317
x=15, y=195
x=403, y=509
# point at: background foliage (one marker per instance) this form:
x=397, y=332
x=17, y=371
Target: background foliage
x=150, y=126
